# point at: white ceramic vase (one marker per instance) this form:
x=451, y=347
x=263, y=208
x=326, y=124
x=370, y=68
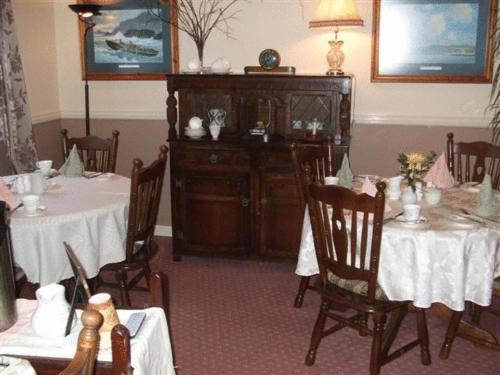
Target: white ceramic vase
x=214, y=131
x=409, y=196
x=51, y=314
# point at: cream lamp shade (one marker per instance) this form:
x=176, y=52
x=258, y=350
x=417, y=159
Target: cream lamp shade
x=336, y=13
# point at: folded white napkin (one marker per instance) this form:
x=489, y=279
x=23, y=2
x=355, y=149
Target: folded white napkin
x=370, y=189
x=488, y=203
x=7, y=196
x=439, y=174
x=73, y=166
x=345, y=174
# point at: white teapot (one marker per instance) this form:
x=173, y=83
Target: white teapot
x=195, y=122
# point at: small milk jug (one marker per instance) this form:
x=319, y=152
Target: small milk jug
x=51, y=314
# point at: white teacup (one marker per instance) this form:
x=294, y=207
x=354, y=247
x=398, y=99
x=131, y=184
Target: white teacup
x=432, y=195
x=44, y=166
x=31, y=203
x=331, y=180
x=411, y=212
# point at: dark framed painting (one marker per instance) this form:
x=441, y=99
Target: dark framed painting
x=131, y=40
x=449, y=41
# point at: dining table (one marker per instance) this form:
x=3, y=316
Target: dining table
x=89, y=213
x=447, y=258
x=150, y=348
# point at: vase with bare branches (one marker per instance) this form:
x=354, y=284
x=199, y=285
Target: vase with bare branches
x=198, y=18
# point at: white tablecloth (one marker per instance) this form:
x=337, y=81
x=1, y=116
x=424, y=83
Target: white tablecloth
x=150, y=350
x=89, y=214
x=441, y=261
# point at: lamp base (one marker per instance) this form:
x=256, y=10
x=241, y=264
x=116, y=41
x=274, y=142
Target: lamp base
x=335, y=72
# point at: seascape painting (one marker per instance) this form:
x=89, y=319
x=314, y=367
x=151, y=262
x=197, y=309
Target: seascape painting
x=437, y=34
x=433, y=41
x=128, y=36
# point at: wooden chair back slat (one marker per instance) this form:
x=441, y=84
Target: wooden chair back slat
x=145, y=194
x=336, y=246
x=97, y=154
x=471, y=161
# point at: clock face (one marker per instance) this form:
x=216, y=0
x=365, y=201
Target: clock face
x=269, y=59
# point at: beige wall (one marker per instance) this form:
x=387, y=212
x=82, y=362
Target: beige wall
x=35, y=27
x=388, y=118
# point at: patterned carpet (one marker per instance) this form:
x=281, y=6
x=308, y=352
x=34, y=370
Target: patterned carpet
x=232, y=316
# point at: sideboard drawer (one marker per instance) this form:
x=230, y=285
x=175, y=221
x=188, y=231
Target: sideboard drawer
x=199, y=159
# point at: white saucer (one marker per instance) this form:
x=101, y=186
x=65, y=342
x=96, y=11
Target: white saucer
x=39, y=212
x=420, y=223
x=189, y=71
x=104, y=177
x=470, y=187
x=463, y=221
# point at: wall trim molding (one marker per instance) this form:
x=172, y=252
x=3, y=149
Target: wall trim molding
x=453, y=121
x=163, y=230
x=45, y=117
x=360, y=119
x=116, y=115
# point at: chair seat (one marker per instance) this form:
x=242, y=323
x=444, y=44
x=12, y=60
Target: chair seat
x=359, y=287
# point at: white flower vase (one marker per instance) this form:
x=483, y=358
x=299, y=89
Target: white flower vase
x=51, y=315
x=419, y=191
x=409, y=196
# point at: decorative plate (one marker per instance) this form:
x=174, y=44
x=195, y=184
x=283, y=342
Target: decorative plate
x=269, y=59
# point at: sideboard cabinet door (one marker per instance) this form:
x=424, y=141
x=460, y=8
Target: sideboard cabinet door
x=214, y=214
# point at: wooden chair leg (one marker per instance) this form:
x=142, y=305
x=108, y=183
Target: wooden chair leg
x=450, y=334
x=147, y=274
x=121, y=278
x=378, y=333
x=476, y=314
x=317, y=334
x=364, y=322
x=303, y=286
x=423, y=336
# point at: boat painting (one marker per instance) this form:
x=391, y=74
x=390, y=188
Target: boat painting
x=131, y=48
x=127, y=36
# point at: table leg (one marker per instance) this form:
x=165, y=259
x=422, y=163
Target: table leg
x=465, y=330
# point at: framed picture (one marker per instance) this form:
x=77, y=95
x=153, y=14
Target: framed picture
x=433, y=41
x=131, y=40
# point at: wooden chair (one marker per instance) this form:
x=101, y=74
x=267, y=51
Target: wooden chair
x=348, y=260
x=98, y=155
x=477, y=310
x=471, y=161
x=320, y=159
x=145, y=194
x=84, y=361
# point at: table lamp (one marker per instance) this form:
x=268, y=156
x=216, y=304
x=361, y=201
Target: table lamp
x=85, y=13
x=336, y=14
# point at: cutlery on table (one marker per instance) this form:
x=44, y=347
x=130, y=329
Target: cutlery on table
x=475, y=217
x=393, y=217
x=97, y=174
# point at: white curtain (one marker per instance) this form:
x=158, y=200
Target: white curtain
x=15, y=117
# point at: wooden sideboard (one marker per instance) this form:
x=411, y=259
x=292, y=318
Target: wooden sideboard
x=237, y=195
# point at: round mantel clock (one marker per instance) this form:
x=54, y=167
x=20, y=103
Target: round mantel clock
x=269, y=59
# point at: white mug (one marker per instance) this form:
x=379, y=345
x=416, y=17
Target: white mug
x=44, y=166
x=31, y=203
x=411, y=212
x=331, y=180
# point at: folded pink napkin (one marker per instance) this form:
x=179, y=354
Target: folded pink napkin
x=369, y=188
x=6, y=195
x=439, y=174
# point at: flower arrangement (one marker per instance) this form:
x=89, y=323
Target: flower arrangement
x=413, y=165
